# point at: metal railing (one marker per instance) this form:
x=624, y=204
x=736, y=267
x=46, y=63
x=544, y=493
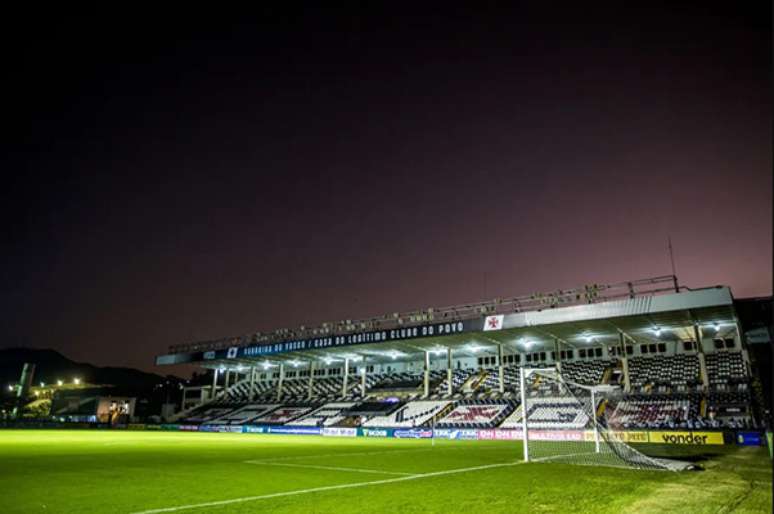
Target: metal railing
x=591, y=293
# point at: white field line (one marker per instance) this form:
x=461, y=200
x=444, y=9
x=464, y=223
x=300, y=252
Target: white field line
x=332, y=468
x=325, y=488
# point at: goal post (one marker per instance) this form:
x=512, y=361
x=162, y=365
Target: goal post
x=567, y=422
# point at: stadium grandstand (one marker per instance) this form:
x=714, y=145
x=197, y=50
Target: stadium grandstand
x=677, y=355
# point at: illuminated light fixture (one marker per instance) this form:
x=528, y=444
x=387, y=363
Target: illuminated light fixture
x=716, y=325
x=394, y=355
x=474, y=348
x=588, y=338
x=266, y=365
x=10, y=387
x=37, y=393
x=59, y=383
x=42, y=384
x=294, y=363
x=76, y=381
x=657, y=331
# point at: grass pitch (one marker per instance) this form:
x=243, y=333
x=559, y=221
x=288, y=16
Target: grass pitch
x=156, y=472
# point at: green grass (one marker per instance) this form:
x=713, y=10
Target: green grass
x=127, y=472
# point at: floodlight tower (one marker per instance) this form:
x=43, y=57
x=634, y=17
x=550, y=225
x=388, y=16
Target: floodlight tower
x=27, y=374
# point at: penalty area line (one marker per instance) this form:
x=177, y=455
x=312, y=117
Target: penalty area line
x=244, y=499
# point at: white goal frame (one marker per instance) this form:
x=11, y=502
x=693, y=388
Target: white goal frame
x=524, y=373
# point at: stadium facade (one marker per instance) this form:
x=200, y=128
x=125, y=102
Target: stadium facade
x=677, y=354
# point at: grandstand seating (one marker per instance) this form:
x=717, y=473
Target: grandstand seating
x=666, y=393
x=669, y=371
x=475, y=414
x=725, y=368
x=653, y=411
x=207, y=413
x=459, y=377
x=243, y=415
x=585, y=372
x=282, y=415
x=327, y=415
x=557, y=412
x=412, y=414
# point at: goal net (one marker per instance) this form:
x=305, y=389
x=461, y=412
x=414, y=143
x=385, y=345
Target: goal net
x=572, y=423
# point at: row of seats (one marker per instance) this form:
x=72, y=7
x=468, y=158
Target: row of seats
x=412, y=414
x=328, y=415
x=477, y=414
x=725, y=368
x=671, y=370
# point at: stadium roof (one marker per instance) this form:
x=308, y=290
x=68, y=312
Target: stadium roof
x=644, y=311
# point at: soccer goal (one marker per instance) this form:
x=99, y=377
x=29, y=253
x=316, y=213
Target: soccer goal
x=567, y=422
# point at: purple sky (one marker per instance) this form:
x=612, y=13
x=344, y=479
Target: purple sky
x=177, y=183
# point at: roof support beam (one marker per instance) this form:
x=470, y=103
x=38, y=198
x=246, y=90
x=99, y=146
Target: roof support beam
x=449, y=372
x=426, y=381
x=310, y=384
x=624, y=363
x=281, y=379
x=500, y=368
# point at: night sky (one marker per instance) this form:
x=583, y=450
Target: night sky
x=171, y=180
